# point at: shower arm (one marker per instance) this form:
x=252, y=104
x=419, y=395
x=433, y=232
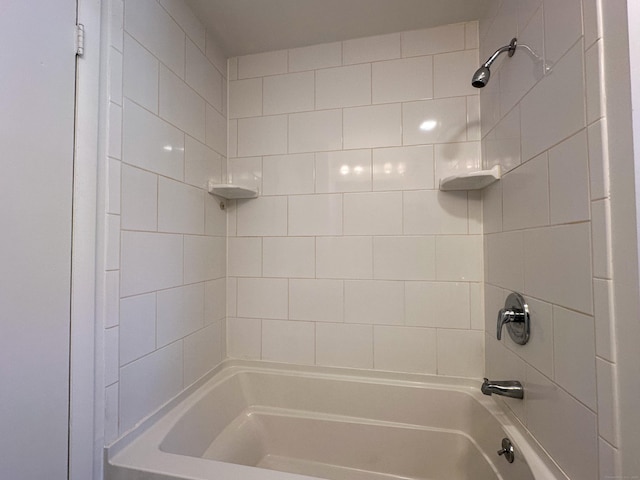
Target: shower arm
x=511, y=48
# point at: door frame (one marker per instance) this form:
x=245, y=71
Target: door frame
x=86, y=398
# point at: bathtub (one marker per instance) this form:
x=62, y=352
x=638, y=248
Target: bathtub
x=261, y=421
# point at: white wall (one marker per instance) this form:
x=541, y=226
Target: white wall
x=166, y=236
x=351, y=256
x=547, y=227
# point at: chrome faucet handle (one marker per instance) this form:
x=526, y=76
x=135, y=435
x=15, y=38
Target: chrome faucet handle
x=504, y=316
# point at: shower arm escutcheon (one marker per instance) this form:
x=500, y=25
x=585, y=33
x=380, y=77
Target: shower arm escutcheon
x=515, y=315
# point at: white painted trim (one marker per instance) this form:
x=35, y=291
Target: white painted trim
x=83, y=404
x=624, y=222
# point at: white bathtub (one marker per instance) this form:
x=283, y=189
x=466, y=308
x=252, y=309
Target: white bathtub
x=254, y=420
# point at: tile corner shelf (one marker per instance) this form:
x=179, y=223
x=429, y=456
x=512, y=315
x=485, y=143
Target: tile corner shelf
x=471, y=180
x=230, y=191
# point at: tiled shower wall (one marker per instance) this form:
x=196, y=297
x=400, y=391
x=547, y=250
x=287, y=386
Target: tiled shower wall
x=166, y=236
x=351, y=256
x=547, y=227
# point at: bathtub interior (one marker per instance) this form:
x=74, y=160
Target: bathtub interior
x=343, y=428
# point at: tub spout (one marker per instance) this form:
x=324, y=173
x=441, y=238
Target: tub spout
x=506, y=388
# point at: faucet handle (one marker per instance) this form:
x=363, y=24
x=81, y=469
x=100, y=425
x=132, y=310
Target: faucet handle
x=504, y=316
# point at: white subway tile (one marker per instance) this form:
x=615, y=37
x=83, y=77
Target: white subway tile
x=262, y=136
x=457, y=158
x=148, y=383
x=502, y=145
x=476, y=305
x=607, y=401
x=215, y=219
x=245, y=171
x=216, y=130
x=460, y=353
x=111, y=414
x=471, y=35
x=404, y=258
x=180, y=312
x=554, y=108
x=288, y=174
x=435, y=212
x=202, y=352
x=404, y=349
x=434, y=121
x=598, y=160
x=538, y=352
x=244, y=256
x=558, y=265
x=316, y=56
x=244, y=338
x=151, y=143
x=188, y=21
x=402, y=80
x=608, y=458
x=293, y=92
x=215, y=300
x=114, y=140
x=316, y=300
x=437, y=304
x=203, y=77
x=344, y=257
x=180, y=207
x=245, y=98
x=204, y=258
x=315, y=215
x=377, y=213
x=115, y=76
x=289, y=342
x=567, y=428
x=474, y=132
x=591, y=22
x=231, y=298
x=215, y=53
x=459, y=258
x=371, y=49
x=112, y=298
x=403, y=168
x=569, y=180
x=593, y=68
x=451, y=72
x=375, y=126
x=343, y=171
x=114, y=168
x=526, y=9
x=504, y=265
x=525, y=195
x=343, y=86
x=263, y=216
x=116, y=21
x=374, y=301
x=315, y=131
x=429, y=41
x=180, y=105
x=262, y=297
x=232, y=138
x=288, y=257
x=601, y=238
x=111, y=354
x=201, y=164
x=343, y=345
x=150, y=25
x=137, y=327
x=262, y=64
x=112, y=247
x=232, y=68
x=562, y=27
x=150, y=261
x=605, y=329
x=500, y=362
x=492, y=208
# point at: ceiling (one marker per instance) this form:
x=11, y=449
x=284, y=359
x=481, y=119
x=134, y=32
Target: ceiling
x=253, y=26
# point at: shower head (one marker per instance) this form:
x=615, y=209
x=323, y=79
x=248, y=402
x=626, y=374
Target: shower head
x=482, y=75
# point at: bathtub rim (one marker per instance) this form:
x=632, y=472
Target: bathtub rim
x=158, y=424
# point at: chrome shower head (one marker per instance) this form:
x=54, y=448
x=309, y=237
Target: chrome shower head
x=482, y=75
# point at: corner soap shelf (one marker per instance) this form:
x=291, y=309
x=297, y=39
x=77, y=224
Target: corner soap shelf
x=471, y=180
x=230, y=191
